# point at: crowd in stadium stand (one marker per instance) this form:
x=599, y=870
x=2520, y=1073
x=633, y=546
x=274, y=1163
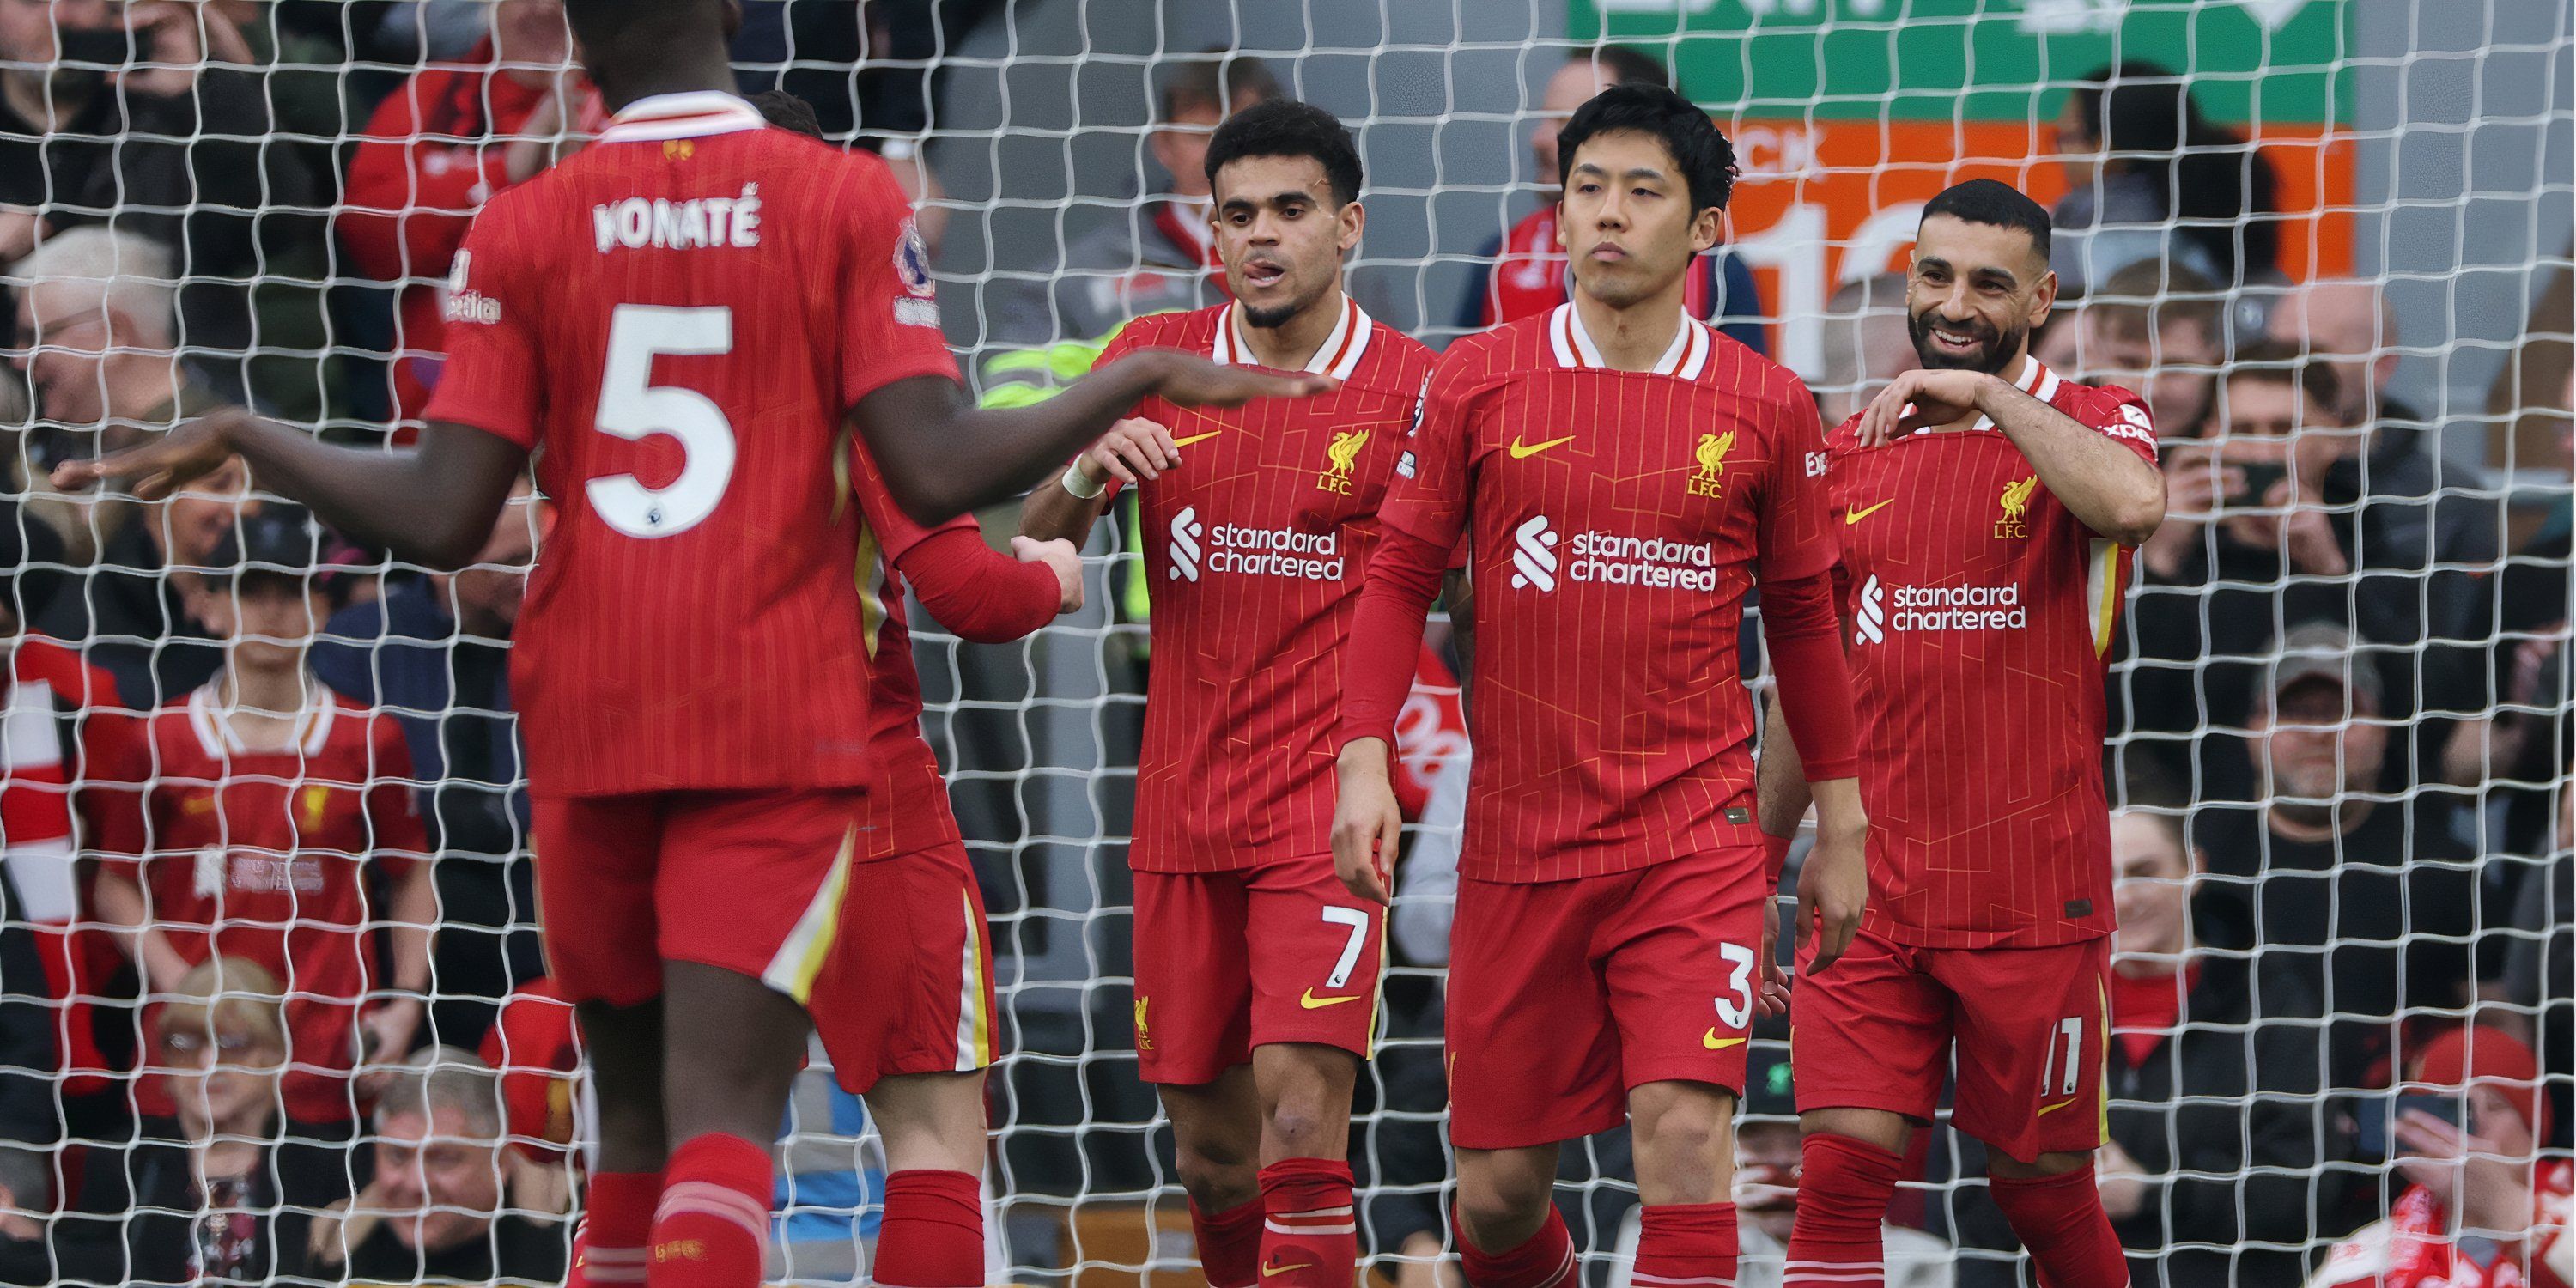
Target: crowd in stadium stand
x=2343, y=833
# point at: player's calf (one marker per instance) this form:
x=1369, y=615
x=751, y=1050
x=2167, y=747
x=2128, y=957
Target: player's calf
x=1509, y=1232
x=1685, y=1143
x=1844, y=1186
x=1216, y=1144
x=933, y=1128
x=1310, y=1229
x=2055, y=1209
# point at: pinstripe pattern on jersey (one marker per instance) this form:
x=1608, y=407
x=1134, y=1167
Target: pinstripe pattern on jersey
x=1981, y=739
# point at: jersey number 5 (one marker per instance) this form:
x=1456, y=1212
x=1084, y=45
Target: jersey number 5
x=632, y=407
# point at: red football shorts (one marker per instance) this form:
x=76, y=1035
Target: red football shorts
x=909, y=988
x=750, y=882
x=2033, y=1027
x=1228, y=961
x=1564, y=995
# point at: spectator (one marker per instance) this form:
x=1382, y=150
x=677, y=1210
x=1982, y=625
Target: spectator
x=221, y=1189
x=94, y=312
x=1523, y=272
x=26, y=1208
x=440, y=146
x=2368, y=898
x=2216, y=1063
x=1766, y=1186
x=2483, y=1206
x=150, y=119
x=1866, y=345
x=438, y=1209
x=1164, y=256
x=250, y=816
x=2149, y=178
x=436, y=653
x=2157, y=328
x=2540, y=966
x=2265, y=526
x=30, y=1060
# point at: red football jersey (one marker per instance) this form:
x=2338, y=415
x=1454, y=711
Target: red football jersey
x=1254, y=548
x=1981, y=612
x=677, y=320
x=263, y=855
x=912, y=813
x=1616, y=520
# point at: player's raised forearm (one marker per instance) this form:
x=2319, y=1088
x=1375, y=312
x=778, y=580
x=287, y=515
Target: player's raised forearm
x=1054, y=513
x=2097, y=480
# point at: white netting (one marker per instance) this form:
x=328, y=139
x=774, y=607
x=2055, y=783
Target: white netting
x=2410, y=874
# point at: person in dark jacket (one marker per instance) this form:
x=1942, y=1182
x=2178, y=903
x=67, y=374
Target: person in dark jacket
x=226, y=1191
x=2215, y=1065
x=436, y=653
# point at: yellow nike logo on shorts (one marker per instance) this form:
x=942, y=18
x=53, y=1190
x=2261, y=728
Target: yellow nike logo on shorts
x=1314, y=1003
x=1715, y=1043
x=1520, y=452
x=2046, y=1110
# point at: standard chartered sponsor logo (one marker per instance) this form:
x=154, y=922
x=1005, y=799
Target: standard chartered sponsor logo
x=1885, y=608
x=1185, y=545
x=1607, y=558
x=1873, y=611
x=1253, y=552
x=1534, y=555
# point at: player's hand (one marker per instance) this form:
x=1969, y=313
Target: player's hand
x=1063, y=558
x=1188, y=380
x=1774, y=999
x=2122, y=1182
x=1920, y=399
x=1134, y=449
x=1833, y=886
x=1367, y=823
x=165, y=464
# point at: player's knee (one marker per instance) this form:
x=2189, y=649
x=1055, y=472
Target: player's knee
x=1216, y=1178
x=1677, y=1124
x=1498, y=1213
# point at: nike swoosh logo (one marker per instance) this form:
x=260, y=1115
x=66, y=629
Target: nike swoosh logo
x=1520, y=452
x=1269, y=1270
x=1314, y=1003
x=1196, y=438
x=1858, y=515
x=1715, y=1043
x=2046, y=1110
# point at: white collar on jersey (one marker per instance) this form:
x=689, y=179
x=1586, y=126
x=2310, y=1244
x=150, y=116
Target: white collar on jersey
x=2035, y=379
x=1573, y=345
x=692, y=114
x=215, y=734
x=1338, y=356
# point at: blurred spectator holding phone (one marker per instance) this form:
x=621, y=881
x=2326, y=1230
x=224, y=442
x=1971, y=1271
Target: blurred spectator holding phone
x=2483, y=1205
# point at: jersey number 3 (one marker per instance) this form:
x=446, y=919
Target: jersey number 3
x=632, y=407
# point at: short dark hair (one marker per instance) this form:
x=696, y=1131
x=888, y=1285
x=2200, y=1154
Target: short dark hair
x=1706, y=159
x=1995, y=204
x=1626, y=65
x=1216, y=78
x=2282, y=362
x=2148, y=296
x=1284, y=127
x=788, y=112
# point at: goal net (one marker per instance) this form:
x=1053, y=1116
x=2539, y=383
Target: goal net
x=2328, y=240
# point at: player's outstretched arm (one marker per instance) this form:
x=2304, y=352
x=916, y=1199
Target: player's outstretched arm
x=988, y=597
x=943, y=456
x=1134, y=450
x=433, y=504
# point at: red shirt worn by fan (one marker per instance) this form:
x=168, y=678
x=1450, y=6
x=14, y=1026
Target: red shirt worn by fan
x=263, y=855
x=1255, y=547
x=1616, y=520
x=1981, y=612
x=693, y=624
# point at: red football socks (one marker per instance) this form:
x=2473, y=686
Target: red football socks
x=1544, y=1261
x=1309, y=1230
x=1229, y=1244
x=1843, y=1189
x=933, y=1235
x=616, y=1218
x=2060, y=1219
x=1686, y=1245
x=713, y=1222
